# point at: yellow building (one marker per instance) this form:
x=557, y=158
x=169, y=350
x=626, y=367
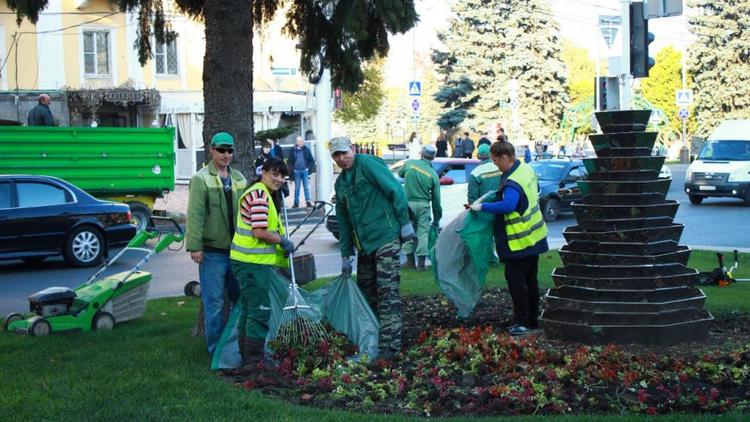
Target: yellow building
x=82, y=53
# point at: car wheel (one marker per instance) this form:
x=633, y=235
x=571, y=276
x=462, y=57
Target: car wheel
x=335, y=235
x=84, y=247
x=11, y=318
x=695, y=199
x=103, y=321
x=193, y=288
x=31, y=260
x=551, y=209
x=140, y=215
x=746, y=201
x=40, y=327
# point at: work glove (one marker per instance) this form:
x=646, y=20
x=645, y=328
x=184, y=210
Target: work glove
x=346, y=266
x=407, y=233
x=287, y=245
x=475, y=207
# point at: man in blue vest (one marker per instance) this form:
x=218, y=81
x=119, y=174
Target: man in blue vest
x=520, y=234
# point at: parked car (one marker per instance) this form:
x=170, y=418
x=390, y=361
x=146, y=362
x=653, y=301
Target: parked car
x=43, y=216
x=558, y=186
x=454, y=178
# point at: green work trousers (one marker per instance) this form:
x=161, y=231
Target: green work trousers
x=421, y=213
x=255, y=311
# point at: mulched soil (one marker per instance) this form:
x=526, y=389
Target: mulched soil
x=424, y=313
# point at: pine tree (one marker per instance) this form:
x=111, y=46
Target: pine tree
x=719, y=61
x=491, y=42
x=356, y=31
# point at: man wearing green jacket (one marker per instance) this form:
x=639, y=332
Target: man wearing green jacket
x=373, y=216
x=211, y=214
x=422, y=188
x=484, y=178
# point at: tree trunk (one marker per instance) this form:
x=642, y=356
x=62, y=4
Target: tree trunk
x=228, y=77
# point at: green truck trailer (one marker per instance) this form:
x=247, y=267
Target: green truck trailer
x=130, y=165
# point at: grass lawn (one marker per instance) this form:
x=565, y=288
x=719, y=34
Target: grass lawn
x=152, y=369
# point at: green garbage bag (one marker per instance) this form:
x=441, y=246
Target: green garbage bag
x=227, y=352
x=461, y=257
x=348, y=312
x=340, y=304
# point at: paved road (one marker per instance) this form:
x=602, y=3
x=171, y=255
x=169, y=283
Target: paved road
x=715, y=224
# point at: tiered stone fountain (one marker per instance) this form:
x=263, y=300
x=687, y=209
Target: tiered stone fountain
x=625, y=278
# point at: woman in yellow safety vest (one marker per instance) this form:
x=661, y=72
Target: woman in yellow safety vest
x=259, y=244
x=520, y=234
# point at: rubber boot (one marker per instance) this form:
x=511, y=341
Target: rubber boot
x=420, y=263
x=252, y=351
x=410, y=263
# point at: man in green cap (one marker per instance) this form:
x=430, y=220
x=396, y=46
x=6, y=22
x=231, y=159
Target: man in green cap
x=485, y=177
x=422, y=188
x=373, y=216
x=211, y=214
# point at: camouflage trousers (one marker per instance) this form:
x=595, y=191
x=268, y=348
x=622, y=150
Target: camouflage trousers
x=379, y=278
x=421, y=213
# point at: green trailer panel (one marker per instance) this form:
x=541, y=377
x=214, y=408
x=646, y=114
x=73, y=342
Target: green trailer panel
x=102, y=161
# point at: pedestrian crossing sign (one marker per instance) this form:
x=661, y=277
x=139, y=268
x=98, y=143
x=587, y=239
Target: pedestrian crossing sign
x=683, y=97
x=415, y=88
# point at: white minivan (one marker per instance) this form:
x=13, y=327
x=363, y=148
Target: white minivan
x=722, y=167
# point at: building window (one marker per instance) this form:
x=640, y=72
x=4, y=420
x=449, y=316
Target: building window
x=96, y=52
x=165, y=56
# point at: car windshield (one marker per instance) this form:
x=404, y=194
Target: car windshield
x=725, y=150
x=548, y=171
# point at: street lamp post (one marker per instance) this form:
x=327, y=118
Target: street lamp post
x=323, y=121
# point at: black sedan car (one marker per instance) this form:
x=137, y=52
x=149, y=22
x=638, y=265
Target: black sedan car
x=42, y=216
x=558, y=186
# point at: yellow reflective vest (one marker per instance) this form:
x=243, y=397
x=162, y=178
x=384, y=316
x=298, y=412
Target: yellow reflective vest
x=525, y=230
x=246, y=247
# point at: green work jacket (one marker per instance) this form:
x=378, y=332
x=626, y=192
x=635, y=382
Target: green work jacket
x=421, y=184
x=484, y=178
x=207, y=219
x=371, y=206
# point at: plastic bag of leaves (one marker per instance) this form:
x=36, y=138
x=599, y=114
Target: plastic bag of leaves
x=461, y=258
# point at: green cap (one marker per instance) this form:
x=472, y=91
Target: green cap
x=483, y=150
x=222, y=138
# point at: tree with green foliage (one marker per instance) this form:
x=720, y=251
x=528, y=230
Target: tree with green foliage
x=581, y=72
x=363, y=104
x=490, y=42
x=719, y=61
x=663, y=81
x=355, y=30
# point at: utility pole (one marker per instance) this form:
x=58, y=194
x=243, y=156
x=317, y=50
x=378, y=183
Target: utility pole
x=685, y=150
x=324, y=175
x=626, y=79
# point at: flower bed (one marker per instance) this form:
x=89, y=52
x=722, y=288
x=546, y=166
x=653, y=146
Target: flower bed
x=448, y=369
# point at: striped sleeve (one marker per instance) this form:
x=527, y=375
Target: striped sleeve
x=254, y=209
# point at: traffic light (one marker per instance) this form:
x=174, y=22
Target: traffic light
x=608, y=91
x=640, y=38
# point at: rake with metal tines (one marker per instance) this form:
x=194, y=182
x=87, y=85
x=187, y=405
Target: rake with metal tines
x=299, y=323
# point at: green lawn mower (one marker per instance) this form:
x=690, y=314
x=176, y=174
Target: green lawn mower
x=99, y=303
